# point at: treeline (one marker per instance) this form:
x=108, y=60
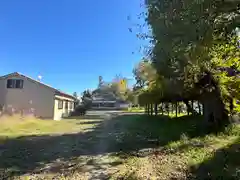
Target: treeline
x=194, y=56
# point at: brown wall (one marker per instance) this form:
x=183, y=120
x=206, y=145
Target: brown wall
x=2, y=92
x=33, y=95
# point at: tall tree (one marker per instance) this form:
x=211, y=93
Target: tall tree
x=87, y=98
x=119, y=87
x=100, y=81
x=184, y=59
x=181, y=55
x=75, y=95
x=77, y=100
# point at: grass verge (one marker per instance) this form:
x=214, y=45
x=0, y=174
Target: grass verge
x=132, y=146
x=178, y=148
x=16, y=126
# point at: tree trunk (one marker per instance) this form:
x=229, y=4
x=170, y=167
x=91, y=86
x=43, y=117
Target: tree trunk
x=189, y=108
x=203, y=109
x=199, y=108
x=231, y=106
x=215, y=113
x=151, y=109
x=156, y=109
x=179, y=108
x=161, y=109
x=176, y=108
x=148, y=109
x=192, y=104
x=167, y=108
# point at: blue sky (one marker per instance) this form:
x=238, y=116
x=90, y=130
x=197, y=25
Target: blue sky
x=69, y=42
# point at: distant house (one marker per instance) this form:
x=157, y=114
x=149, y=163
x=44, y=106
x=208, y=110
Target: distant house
x=25, y=95
x=103, y=98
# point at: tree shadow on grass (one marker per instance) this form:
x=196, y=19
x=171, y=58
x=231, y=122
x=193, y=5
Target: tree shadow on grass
x=147, y=132
x=86, y=117
x=122, y=134
x=89, y=122
x=225, y=164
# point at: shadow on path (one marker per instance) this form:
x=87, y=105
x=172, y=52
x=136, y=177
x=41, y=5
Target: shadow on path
x=67, y=152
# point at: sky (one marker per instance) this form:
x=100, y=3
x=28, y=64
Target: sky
x=70, y=43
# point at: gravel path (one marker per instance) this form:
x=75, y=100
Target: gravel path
x=99, y=167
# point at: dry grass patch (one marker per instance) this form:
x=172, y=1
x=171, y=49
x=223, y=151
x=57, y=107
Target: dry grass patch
x=14, y=126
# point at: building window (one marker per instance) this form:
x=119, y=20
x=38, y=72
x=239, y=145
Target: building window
x=66, y=104
x=15, y=83
x=71, y=105
x=10, y=83
x=19, y=84
x=60, y=104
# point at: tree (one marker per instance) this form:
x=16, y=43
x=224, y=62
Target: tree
x=100, y=81
x=77, y=100
x=187, y=65
x=75, y=95
x=144, y=73
x=148, y=86
x=184, y=58
x=119, y=87
x=132, y=96
x=87, y=98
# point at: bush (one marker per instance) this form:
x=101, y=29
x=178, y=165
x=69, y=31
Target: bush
x=79, y=111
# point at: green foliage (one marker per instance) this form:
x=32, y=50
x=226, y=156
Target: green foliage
x=81, y=109
x=118, y=91
x=75, y=95
x=87, y=99
x=189, y=38
x=144, y=73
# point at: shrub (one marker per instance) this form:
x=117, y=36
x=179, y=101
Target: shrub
x=79, y=111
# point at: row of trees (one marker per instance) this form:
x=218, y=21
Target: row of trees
x=194, y=56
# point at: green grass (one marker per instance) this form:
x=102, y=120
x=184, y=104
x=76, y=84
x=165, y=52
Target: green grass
x=16, y=126
x=28, y=145
x=180, y=148
x=136, y=109
x=132, y=147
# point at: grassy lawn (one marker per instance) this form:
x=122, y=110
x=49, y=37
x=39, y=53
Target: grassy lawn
x=178, y=148
x=16, y=126
x=31, y=145
x=124, y=147
x=135, y=109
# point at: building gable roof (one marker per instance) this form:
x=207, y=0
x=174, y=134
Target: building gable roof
x=57, y=92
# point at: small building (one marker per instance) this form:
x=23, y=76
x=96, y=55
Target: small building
x=22, y=94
